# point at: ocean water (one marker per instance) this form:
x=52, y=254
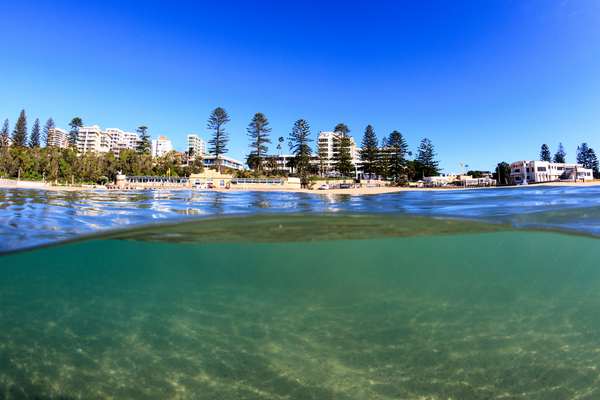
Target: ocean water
x=483, y=294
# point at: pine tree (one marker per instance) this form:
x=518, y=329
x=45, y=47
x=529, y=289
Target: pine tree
x=48, y=132
x=369, y=153
x=34, y=137
x=75, y=124
x=502, y=174
x=426, y=156
x=560, y=155
x=545, y=153
x=218, y=144
x=383, y=163
x=143, y=144
x=4, y=134
x=582, y=154
x=19, y=133
x=258, y=131
x=300, y=148
x=592, y=160
x=397, y=152
x=342, y=158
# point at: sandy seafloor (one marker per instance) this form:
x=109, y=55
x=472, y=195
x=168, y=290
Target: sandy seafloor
x=457, y=317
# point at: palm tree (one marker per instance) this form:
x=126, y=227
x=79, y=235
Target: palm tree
x=271, y=163
x=281, y=140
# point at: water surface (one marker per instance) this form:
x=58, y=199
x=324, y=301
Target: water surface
x=293, y=296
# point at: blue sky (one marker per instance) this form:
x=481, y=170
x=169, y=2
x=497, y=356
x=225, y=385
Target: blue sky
x=485, y=81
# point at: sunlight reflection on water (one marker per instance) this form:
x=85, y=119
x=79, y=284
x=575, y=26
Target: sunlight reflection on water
x=33, y=217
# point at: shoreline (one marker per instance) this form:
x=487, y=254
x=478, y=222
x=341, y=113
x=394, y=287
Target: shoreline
x=356, y=191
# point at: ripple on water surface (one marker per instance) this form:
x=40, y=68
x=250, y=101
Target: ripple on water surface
x=39, y=217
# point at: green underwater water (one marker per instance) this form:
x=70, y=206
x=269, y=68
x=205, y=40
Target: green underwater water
x=501, y=315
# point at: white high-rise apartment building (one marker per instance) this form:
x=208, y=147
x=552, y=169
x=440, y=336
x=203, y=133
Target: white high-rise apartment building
x=199, y=145
x=58, y=138
x=161, y=146
x=91, y=138
x=326, y=142
x=122, y=140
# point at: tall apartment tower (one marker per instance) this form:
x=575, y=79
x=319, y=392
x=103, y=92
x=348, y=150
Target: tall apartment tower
x=122, y=140
x=91, y=138
x=161, y=146
x=58, y=138
x=327, y=141
x=199, y=145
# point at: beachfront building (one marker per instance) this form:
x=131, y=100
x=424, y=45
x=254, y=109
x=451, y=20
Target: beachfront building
x=58, y=138
x=196, y=143
x=224, y=181
x=208, y=178
x=209, y=161
x=122, y=140
x=452, y=179
x=327, y=145
x=91, y=138
x=161, y=146
x=545, y=171
x=149, y=182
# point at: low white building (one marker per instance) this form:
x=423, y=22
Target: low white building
x=161, y=146
x=58, y=138
x=196, y=143
x=546, y=171
x=224, y=161
x=456, y=180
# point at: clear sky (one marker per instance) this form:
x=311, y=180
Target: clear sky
x=485, y=81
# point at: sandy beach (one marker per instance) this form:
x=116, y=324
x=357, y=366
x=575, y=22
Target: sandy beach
x=353, y=191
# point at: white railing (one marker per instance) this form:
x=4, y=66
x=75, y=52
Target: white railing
x=8, y=182
x=12, y=182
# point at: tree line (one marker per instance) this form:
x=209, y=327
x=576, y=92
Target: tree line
x=35, y=157
x=388, y=159
x=22, y=155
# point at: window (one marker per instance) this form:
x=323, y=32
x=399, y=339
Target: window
x=527, y=170
x=517, y=178
x=518, y=170
x=560, y=168
x=541, y=169
x=222, y=183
